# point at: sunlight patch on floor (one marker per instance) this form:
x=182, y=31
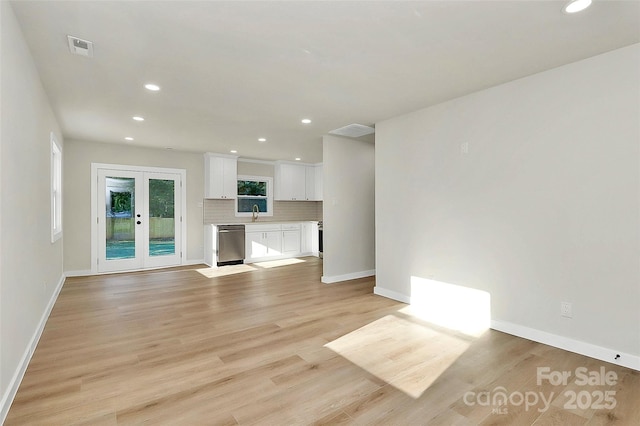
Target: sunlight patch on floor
x=277, y=263
x=408, y=355
x=225, y=270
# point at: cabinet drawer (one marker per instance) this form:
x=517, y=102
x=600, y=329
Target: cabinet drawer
x=290, y=226
x=266, y=227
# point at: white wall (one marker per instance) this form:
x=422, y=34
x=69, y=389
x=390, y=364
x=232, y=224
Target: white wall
x=255, y=168
x=544, y=208
x=348, y=208
x=77, y=202
x=30, y=266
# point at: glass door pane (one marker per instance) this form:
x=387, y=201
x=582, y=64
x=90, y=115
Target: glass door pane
x=138, y=220
x=162, y=212
x=120, y=224
x=120, y=235
x=162, y=226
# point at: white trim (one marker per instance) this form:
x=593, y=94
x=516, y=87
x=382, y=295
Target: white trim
x=56, y=188
x=560, y=342
x=88, y=272
x=568, y=344
x=268, y=259
x=297, y=163
x=193, y=262
x=215, y=154
x=269, y=180
x=14, y=384
x=79, y=273
x=346, y=277
x=94, y=205
x=273, y=163
x=251, y=160
x=389, y=294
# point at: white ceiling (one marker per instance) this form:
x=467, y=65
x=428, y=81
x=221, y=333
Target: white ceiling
x=232, y=72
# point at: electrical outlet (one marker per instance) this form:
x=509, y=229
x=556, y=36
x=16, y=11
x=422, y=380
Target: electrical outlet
x=464, y=147
x=566, y=309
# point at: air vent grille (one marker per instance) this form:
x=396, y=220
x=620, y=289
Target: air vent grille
x=77, y=46
x=353, y=130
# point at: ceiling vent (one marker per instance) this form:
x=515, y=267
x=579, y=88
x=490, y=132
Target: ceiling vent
x=353, y=131
x=77, y=46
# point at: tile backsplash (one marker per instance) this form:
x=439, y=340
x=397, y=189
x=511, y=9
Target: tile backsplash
x=223, y=211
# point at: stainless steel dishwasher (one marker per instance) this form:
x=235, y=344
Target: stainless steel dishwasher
x=230, y=245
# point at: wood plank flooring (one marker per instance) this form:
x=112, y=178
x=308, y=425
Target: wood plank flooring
x=272, y=345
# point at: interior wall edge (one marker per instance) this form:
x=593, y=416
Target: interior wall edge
x=346, y=277
x=390, y=294
x=16, y=380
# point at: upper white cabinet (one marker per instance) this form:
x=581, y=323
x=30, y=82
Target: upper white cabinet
x=290, y=182
x=313, y=182
x=220, y=176
x=298, y=182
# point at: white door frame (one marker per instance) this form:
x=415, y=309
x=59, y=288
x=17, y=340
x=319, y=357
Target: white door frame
x=94, y=206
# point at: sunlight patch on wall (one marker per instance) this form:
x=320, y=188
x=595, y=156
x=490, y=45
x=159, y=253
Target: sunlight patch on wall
x=225, y=270
x=408, y=355
x=455, y=307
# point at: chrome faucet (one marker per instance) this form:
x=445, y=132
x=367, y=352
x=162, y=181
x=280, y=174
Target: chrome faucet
x=255, y=210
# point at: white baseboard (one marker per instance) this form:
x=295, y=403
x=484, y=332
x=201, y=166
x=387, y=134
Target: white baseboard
x=346, y=277
x=561, y=342
x=14, y=384
x=89, y=272
x=193, y=262
x=568, y=344
x=79, y=273
x=389, y=294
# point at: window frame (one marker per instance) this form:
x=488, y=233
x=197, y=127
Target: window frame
x=269, y=181
x=56, y=189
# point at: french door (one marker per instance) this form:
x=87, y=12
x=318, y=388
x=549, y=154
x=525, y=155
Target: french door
x=139, y=219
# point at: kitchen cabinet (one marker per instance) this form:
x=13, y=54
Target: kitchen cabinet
x=291, y=239
x=262, y=242
x=221, y=176
x=298, y=182
x=290, y=182
x=309, y=238
x=313, y=183
x=270, y=241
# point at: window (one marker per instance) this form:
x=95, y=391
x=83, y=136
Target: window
x=56, y=190
x=254, y=192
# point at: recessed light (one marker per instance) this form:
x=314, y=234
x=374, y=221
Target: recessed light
x=138, y=118
x=298, y=158
x=262, y=140
x=233, y=151
x=128, y=138
x=305, y=121
x=152, y=87
x=577, y=6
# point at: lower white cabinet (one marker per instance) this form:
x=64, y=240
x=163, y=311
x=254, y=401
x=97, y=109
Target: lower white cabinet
x=309, y=238
x=291, y=239
x=262, y=241
x=268, y=241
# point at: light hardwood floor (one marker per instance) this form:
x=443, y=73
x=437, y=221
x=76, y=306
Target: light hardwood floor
x=271, y=345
